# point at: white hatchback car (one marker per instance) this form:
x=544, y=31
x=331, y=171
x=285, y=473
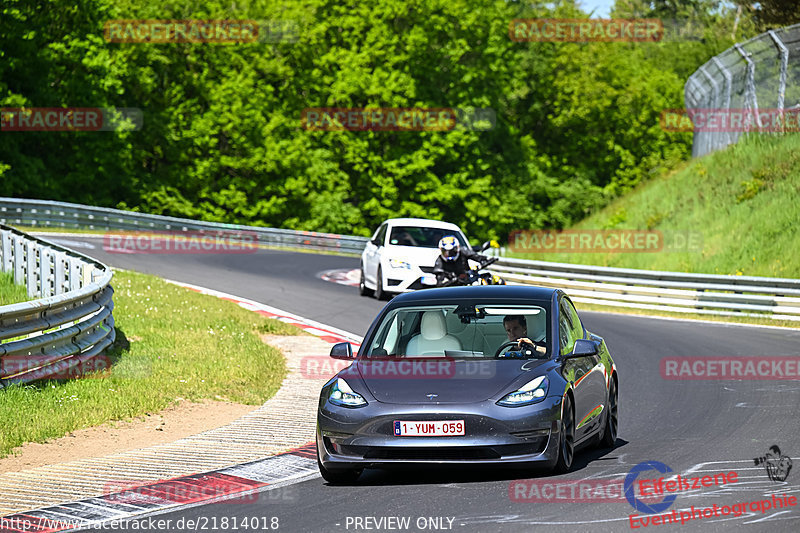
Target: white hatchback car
x=401, y=252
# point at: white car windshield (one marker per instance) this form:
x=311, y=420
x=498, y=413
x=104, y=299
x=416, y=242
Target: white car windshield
x=422, y=237
x=458, y=331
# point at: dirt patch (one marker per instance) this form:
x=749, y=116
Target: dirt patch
x=178, y=421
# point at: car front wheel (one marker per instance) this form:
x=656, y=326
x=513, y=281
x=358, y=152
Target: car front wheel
x=612, y=418
x=362, y=287
x=380, y=294
x=341, y=477
x=566, y=444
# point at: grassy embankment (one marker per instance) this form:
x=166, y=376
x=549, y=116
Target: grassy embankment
x=742, y=202
x=172, y=344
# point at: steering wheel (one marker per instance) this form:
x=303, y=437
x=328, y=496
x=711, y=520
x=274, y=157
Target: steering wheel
x=514, y=343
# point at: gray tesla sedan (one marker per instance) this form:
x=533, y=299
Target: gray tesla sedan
x=501, y=375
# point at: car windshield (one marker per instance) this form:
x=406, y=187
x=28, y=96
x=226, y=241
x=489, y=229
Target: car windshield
x=421, y=237
x=459, y=331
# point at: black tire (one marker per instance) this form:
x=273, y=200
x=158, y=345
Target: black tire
x=362, y=288
x=609, y=437
x=380, y=294
x=566, y=443
x=342, y=477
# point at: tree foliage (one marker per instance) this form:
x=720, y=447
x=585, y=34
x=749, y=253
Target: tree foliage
x=577, y=123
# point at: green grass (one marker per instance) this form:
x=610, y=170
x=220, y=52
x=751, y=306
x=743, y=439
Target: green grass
x=10, y=293
x=743, y=201
x=172, y=344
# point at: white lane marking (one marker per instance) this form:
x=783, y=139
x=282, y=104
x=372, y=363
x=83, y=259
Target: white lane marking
x=73, y=244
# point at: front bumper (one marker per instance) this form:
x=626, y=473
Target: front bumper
x=405, y=280
x=364, y=437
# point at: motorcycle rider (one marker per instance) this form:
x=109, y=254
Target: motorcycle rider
x=453, y=261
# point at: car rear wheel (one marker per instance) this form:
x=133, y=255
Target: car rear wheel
x=338, y=477
x=612, y=418
x=566, y=445
x=362, y=287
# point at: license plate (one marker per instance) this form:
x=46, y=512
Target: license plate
x=429, y=428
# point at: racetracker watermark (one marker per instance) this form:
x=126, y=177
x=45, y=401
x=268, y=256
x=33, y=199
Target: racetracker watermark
x=739, y=368
x=323, y=367
x=604, y=241
x=582, y=490
x=181, y=242
x=200, y=31
x=50, y=368
x=70, y=119
x=398, y=119
x=219, y=488
x=724, y=120
x=585, y=30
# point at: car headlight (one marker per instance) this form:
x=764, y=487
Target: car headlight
x=396, y=263
x=342, y=395
x=533, y=391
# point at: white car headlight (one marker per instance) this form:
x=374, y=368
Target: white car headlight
x=342, y=395
x=533, y=391
x=396, y=263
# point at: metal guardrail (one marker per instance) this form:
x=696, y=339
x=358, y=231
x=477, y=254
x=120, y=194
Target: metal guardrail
x=69, y=324
x=704, y=294
x=617, y=287
x=762, y=73
x=47, y=214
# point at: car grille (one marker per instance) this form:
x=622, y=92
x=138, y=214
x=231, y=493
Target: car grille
x=460, y=453
x=432, y=454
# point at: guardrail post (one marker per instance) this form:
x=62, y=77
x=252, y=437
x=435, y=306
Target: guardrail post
x=58, y=285
x=30, y=268
x=19, y=263
x=74, y=274
x=5, y=251
x=45, y=274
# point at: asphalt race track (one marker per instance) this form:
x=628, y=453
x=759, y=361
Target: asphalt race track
x=695, y=427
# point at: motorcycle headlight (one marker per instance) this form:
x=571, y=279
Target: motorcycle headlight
x=533, y=391
x=396, y=263
x=342, y=395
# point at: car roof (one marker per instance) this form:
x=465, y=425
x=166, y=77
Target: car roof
x=422, y=222
x=515, y=294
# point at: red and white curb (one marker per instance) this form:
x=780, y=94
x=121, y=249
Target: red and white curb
x=236, y=484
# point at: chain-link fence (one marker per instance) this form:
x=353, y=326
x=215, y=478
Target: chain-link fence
x=754, y=82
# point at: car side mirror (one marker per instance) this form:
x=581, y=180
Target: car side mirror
x=342, y=350
x=584, y=348
x=482, y=247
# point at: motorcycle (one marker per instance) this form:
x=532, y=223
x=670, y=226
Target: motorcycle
x=474, y=276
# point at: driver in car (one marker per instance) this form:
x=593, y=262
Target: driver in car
x=452, y=261
x=517, y=330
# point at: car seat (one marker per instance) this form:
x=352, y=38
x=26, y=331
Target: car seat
x=432, y=339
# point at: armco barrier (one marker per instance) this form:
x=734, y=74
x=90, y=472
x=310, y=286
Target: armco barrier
x=47, y=214
x=69, y=324
x=703, y=294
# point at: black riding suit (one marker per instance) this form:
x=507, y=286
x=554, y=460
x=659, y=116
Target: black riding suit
x=447, y=271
